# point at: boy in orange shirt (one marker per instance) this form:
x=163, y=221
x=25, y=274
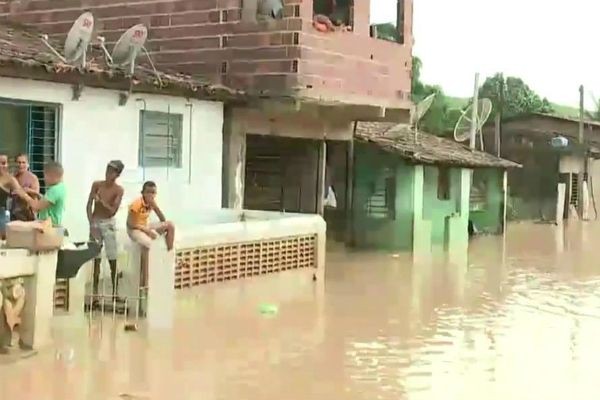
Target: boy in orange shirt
x=144, y=233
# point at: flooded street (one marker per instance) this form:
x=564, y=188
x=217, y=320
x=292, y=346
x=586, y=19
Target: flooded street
x=520, y=321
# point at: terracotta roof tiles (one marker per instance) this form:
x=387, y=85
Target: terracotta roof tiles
x=429, y=149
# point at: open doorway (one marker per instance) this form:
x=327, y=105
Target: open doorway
x=336, y=179
x=281, y=174
x=388, y=20
x=334, y=13
x=31, y=129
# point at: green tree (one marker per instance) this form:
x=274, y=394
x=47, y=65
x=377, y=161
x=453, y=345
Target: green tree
x=387, y=31
x=518, y=98
x=441, y=117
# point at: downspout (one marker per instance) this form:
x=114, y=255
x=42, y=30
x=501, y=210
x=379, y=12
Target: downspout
x=141, y=141
x=191, y=114
x=169, y=139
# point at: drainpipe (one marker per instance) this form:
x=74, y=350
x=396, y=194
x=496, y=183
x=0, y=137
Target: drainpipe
x=141, y=142
x=169, y=140
x=191, y=114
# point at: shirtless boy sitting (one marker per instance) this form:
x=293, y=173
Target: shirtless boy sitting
x=142, y=232
x=103, y=203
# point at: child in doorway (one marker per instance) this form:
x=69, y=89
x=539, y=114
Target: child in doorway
x=144, y=233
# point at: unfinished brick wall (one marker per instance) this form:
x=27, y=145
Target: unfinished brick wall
x=207, y=38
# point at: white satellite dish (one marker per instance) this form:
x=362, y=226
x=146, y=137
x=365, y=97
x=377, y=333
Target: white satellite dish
x=462, y=130
x=128, y=48
x=419, y=112
x=77, y=42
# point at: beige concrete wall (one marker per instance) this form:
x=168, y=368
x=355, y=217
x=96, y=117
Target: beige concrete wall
x=571, y=164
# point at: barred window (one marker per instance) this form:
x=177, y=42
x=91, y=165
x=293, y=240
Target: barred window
x=160, y=139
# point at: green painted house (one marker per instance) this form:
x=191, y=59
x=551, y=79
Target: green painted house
x=413, y=195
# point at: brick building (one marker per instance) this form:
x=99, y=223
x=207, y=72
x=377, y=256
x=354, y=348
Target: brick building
x=306, y=86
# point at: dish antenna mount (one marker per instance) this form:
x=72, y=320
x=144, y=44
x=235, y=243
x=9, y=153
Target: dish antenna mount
x=421, y=108
x=462, y=130
x=127, y=49
x=77, y=42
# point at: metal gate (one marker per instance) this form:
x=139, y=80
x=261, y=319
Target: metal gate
x=42, y=138
x=130, y=298
x=35, y=132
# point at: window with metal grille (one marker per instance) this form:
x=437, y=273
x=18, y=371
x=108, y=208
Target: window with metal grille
x=478, y=198
x=382, y=201
x=574, y=196
x=160, y=139
x=41, y=139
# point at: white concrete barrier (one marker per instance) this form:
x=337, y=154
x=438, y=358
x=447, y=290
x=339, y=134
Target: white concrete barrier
x=38, y=272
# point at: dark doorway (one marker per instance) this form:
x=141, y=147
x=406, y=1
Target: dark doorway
x=281, y=174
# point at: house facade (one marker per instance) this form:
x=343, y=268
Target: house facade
x=302, y=83
x=415, y=194
x=85, y=134
x=548, y=147
x=54, y=112
x=169, y=131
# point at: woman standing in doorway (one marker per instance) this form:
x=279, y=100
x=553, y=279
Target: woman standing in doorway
x=9, y=186
x=20, y=210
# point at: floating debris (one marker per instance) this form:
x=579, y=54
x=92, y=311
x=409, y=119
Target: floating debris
x=268, y=309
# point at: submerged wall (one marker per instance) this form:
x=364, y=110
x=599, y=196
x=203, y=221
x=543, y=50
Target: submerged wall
x=420, y=219
x=372, y=167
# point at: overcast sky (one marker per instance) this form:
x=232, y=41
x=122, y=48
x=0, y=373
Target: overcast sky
x=553, y=45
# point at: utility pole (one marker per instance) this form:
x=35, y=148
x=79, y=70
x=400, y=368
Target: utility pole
x=581, y=112
x=498, y=122
x=474, y=114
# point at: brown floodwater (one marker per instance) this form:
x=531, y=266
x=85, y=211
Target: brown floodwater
x=520, y=320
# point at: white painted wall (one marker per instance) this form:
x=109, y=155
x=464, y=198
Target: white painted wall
x=96, y=129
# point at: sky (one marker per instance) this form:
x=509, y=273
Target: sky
x=552, y=46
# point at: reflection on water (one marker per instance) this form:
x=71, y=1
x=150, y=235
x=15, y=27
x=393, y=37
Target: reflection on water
x=520, y=321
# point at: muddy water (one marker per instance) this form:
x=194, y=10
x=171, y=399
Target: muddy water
x=521, y=320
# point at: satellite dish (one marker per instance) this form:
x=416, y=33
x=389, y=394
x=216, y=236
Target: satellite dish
x=77, y=42
x=422, y=107
x=462, y=130
x=128, y=48
x=419, y=112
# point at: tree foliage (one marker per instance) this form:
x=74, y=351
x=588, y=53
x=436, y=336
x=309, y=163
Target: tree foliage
x=387, y=31
x=441, y=117
x=518, y=98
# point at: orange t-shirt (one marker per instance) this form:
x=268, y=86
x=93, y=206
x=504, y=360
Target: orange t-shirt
x=140, y=212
